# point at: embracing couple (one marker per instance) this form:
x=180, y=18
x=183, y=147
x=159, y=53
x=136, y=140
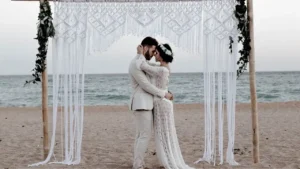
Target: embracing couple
x=151, y=105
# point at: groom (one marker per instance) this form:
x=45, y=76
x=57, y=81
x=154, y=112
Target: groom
x=142, y=102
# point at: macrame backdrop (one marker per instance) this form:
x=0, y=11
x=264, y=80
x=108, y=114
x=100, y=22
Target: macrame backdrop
x=87, y=26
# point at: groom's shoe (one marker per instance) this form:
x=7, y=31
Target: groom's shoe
x=137, y=167
x=141, y=167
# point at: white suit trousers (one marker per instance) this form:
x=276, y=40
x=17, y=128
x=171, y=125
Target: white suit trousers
x=144, y=126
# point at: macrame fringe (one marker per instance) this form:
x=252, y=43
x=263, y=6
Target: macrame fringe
x=199, y=27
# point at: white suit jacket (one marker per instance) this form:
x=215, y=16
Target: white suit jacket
x=143, y=91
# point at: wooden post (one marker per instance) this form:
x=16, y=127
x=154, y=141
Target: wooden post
x=45, y=108
x=45, y=112
x=253, y=86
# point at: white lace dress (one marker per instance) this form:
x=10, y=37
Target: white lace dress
x=167, y=146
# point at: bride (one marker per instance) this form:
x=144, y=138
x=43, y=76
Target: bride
x=167, y=146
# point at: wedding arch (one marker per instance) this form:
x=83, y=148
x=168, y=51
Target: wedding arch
x=208, y=28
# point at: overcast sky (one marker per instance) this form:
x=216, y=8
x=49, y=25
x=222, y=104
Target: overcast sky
x=277, y=35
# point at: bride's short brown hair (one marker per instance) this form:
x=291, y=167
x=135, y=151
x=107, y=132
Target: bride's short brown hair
x=166, y=57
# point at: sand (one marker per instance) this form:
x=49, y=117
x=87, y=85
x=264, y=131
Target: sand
x=109, y=135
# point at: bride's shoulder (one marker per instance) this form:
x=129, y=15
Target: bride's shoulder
x=166, y=70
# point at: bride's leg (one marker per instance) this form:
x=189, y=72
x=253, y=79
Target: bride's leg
x=158, y=143
x=162, y=138
x=177, y=154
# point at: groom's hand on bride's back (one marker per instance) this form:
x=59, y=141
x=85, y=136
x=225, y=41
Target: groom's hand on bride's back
x=169, y=96
x=172, y=95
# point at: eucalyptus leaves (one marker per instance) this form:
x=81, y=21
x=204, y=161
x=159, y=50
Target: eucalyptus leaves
x=45, y=30
x=244, y=37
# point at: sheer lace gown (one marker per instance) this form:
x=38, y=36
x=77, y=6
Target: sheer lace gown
x=167, y=146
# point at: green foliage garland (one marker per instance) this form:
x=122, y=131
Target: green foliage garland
x=45, y=29
x=244, y=37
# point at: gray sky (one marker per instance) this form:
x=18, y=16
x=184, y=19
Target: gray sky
x=277, y=35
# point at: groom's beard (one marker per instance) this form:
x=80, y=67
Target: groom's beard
x=147, y=55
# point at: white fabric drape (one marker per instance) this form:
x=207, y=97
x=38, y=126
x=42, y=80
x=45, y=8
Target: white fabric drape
x=219, y=79
x=200, y=27
x=69, y=51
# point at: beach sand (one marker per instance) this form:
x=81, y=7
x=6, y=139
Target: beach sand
x=109, y=135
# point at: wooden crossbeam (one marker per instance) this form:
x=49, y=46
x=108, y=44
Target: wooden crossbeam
x=117, y=0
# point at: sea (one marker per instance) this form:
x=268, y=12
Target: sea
x=114, y=89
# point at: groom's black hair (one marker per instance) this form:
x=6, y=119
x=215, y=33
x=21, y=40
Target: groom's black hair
x=149, y=41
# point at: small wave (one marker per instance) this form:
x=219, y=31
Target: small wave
x=113, y=90
x=294, y=92
x=113, y=97
x=17, y=105
x=266, y=96
x=86, y=91
x=275, y=91
x=180, y=96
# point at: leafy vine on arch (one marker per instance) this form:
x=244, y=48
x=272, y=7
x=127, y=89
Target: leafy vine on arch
x=45, y=29
x=244, y=37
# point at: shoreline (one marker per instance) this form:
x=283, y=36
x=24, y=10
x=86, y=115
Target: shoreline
x=176, y=105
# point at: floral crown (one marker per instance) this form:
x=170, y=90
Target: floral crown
x=165, y=50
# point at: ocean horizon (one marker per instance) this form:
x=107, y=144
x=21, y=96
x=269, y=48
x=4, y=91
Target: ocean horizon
x=49, y=74
x=272, y=86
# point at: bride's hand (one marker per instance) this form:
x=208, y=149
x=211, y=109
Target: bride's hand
x=140, y=49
